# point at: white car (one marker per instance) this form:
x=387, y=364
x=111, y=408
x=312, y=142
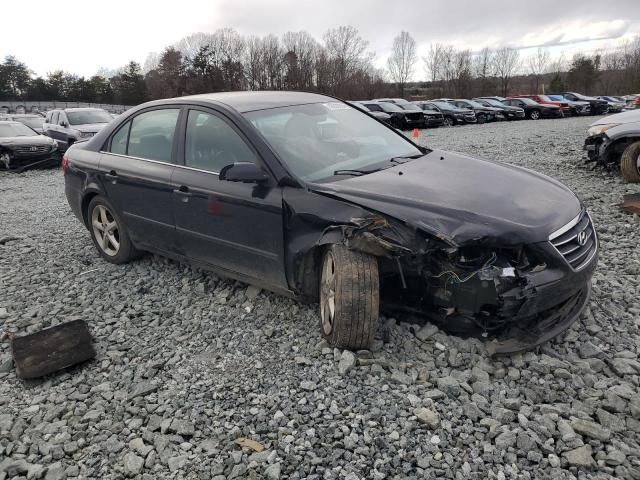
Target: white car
x=69, y=125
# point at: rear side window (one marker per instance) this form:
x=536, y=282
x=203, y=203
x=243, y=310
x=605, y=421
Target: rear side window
x=211, y=144
x=151, y=134
x=119, y=140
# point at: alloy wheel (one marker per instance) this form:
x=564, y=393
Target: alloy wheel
x=328, y=293
x=535, y=115
x=448, y=121
x=105, y=230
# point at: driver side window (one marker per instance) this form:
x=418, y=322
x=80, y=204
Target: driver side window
x=211, y=144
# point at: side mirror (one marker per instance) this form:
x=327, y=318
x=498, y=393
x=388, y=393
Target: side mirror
x=64, y=124
x=245, y=172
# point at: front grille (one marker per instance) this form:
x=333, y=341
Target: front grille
x=577, y=241
x=417, y=116
x=32, y=150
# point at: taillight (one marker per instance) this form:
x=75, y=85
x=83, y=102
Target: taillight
x=65, y=164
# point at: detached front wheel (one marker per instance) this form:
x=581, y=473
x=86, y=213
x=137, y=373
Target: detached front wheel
x=349, y=298
x=630, y=163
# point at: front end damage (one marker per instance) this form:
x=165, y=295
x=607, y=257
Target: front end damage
x=515, y=297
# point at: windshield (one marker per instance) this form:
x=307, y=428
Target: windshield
x=16, y=130
x=556, y=98
x=545, y=98
x=411, y=106
x=494, y=103
x=390, y=107
x=473, y=104
x=84, y=117
x=33, y=122
x=528, y=101
x=317, y=139
x=446, y=106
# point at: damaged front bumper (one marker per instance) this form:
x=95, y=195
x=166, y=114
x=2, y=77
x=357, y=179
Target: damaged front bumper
x=596, y=147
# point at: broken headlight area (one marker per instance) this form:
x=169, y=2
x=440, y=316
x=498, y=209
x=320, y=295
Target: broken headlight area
x=474, y=290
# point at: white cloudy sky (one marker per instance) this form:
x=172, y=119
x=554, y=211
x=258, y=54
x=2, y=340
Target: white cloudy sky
x=82, y=36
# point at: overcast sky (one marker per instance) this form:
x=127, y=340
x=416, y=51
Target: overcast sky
x=83, y=36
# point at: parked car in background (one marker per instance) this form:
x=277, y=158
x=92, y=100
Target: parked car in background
x=30, y=120
x=615, y=140
x=546, y=100
x=576, y=108
x=385, y=117
x=397, y=101
x=598, y=107
x=400, y=118
x=67, y=126
x=615, y=104
x=500, y=99
x=483, y=114
x=534, y=110
x=509, y=112
x=432, y=118
x=21, y=145
x=452, y=114
x=356, y=217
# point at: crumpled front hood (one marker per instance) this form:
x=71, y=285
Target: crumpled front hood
x=461, y=199
x=25, y=141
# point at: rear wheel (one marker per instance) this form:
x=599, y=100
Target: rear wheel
x=534, y=114
x=630, y=163
x=108, y=232
x=449, y=121
x=5, y=160
x=349, y=298
x=482, y=118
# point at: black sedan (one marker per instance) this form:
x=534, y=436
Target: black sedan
x=452, y=114
x=483, y=114
x=534, y=110
x=21, y=146
x=400, y=118
x=432, y=118
x=508, y=112
x=596, y=105
x=385, y=117
x=308, y=196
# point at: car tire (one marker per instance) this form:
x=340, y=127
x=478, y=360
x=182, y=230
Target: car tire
x=349, y=298
x=481, y=117
x=630, y=163
x=534, y=115
x=449, y=121
x=109, y=233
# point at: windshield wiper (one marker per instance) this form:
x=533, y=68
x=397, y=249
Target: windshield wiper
x=348, y=171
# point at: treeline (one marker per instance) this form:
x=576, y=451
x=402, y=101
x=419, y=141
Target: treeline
x=340, y=64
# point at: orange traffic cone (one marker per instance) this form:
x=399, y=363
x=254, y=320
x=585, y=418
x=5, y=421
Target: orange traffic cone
x=415, y=133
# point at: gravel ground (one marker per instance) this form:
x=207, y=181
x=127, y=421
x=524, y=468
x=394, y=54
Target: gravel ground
x=188, y=363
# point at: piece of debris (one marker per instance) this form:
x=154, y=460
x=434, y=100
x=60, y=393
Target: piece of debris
x=248, y=443
x=52, y=349
x=631, y=203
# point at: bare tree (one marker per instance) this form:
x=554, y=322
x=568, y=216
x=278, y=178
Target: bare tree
x=433, y=61
x=402, y=60
x=299, y=60
x=538, y=63
x=506, y=61
x=482, y=69
x=345, y=51
x=448, y=69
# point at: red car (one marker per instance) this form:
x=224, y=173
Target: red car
x=543, y=99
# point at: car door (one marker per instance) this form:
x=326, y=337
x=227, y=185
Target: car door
x=64, y=132
x=52, y=126
x=234, y=226
x=135, y=170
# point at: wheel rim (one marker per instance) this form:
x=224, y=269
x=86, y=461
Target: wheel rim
x=105, y=230
x=448, y=122
x=535, y=115
x=328, y=293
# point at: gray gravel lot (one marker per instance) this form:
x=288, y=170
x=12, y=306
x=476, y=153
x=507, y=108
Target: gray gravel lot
x=188, y=362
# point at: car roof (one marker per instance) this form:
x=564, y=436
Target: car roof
x=262, y=100
x=80, y=109
x=11, y=122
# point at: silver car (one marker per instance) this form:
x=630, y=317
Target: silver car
x=67, y=126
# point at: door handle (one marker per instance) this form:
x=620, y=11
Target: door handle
x=183, y=192
x=112, y=175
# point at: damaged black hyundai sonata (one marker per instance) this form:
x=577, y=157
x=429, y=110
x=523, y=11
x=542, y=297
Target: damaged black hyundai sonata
x=305, y=195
